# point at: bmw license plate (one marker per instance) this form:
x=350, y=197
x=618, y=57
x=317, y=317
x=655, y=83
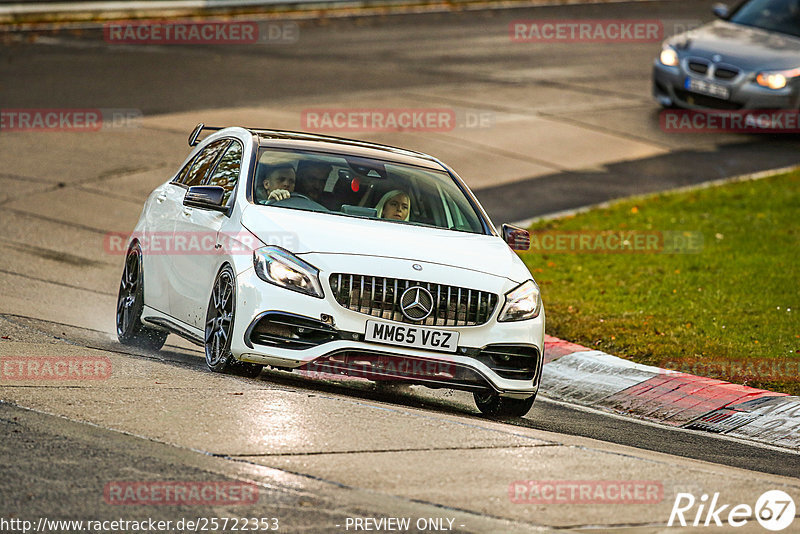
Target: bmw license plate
x=707, y=88
x=418, y=337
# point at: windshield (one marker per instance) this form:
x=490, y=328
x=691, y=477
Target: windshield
x=361, y=187
x=775, y=15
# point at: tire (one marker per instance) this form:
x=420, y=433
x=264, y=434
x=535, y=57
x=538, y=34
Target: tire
x=494, y=405
x=130, y=303
x=250, y=370
x=220, y=319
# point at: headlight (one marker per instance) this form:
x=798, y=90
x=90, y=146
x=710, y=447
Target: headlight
x=669, y=57
x=776, y=79
x=523, y=302
x=282, y=268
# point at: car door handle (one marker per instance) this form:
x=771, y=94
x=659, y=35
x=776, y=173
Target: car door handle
x=187, y=212
x=161, y=198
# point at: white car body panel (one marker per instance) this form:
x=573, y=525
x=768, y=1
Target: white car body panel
x=186, y=302
x=161, y=210
x=318, y=232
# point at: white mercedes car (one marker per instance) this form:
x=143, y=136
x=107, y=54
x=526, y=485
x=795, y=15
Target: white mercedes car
x=301, y=251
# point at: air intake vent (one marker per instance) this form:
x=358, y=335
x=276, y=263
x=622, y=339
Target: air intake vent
x=699, y=67
x=723, y=73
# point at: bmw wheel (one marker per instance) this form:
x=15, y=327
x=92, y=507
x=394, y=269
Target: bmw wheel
x=494, y=405
x=219, y=328
x=130, y=303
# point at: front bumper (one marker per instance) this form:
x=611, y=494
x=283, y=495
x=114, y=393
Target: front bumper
x=668, y=90
x=482, y=361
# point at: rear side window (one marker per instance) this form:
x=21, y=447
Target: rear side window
x=226, y=174
x=204, y=162
x=181, y=177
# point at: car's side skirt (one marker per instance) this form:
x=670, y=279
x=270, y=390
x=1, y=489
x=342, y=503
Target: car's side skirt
x=172, y=325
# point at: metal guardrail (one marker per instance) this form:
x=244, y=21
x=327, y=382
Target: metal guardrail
x=45, y=7
x=213, y=3
x=167, y=4
x=93, y=11
x=20, y=10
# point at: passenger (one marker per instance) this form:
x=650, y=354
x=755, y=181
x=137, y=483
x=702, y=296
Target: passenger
x=279, y=182
x=312, y=177
x=395, y=204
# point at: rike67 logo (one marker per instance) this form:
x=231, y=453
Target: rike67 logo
x=774, y=510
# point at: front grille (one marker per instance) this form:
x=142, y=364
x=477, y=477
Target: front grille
x=723, y=73
x=378, y=296
x=699, y=67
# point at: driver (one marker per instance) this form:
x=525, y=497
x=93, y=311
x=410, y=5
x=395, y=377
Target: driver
x=311, y=178
x=279, y=182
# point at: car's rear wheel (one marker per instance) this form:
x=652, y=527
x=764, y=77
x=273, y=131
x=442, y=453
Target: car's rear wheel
x=219, y=328
x=130, y=303
x=494, y=405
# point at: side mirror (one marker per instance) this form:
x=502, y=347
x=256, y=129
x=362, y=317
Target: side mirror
x=517, y=238
x=210, y=197
x=721, y=11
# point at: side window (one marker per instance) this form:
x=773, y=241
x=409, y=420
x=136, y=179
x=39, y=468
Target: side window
x=181, y=177
x=227, y=172
x=204, y=162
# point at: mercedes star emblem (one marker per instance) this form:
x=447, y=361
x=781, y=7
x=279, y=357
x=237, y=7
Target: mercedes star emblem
x=416, y=303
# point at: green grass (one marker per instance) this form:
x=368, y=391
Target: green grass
x=737, y=300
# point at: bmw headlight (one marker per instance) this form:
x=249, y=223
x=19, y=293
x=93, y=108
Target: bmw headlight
x=668, y=57
x=523, y=302
x=776, y=79
x=282, y=268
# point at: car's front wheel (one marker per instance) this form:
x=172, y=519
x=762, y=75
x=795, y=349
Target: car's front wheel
x=494, y=405
x=219, y=328
x=130, y=303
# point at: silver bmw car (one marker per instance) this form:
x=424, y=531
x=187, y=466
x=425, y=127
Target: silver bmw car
x=749, y=59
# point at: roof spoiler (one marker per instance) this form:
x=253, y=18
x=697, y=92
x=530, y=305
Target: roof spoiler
x=197, y=130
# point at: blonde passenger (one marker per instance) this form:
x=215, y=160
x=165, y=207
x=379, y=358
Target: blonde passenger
x=394, y=205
